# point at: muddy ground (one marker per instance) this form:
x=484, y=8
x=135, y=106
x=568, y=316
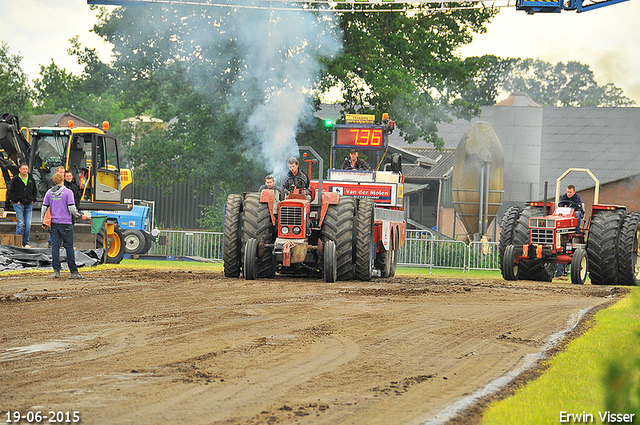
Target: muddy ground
x=193, y=347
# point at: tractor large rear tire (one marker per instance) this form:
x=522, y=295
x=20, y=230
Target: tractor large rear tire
x=257, y=224
x=232, y=236
x=530, y=270
x=628, y=254
x=338, y=227
x=364, y=239
x=507, y=229
x=602, y=245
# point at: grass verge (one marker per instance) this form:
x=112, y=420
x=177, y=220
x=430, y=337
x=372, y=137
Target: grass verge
x=448, y=273
x=595, y=373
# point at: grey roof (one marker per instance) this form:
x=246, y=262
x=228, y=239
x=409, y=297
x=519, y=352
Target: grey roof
x=442, y=168
x=604, y=140
x=52, y=120
x=451, y=132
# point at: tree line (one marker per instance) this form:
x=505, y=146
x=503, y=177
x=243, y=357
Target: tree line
x=236, y=85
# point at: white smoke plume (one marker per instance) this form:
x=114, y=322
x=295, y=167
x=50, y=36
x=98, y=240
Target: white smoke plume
x=282, y=61
x=279, y=61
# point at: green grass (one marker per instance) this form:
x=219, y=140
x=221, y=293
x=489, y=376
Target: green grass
x=597, y=372
x=166, y=265
x=448, y=273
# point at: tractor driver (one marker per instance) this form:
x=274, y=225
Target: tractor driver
x=353, y=162
x=296, y=178
x=573, y=200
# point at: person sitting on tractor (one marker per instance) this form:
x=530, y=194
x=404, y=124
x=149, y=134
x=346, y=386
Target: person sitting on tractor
x=270, y=183
x=296, y=178
x=572, y=199
x=353, y=162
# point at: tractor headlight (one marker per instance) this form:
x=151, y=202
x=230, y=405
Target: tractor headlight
x=284, y=230
x=297, y=230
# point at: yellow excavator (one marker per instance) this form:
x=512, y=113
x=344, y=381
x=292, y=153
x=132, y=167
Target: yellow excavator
x=92, y=154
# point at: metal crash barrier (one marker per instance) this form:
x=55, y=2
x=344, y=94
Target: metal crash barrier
x=421, y=249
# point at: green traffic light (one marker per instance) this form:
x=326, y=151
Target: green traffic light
x=328, y=123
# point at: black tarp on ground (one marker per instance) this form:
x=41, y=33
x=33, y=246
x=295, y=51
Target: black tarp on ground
x=15, y=258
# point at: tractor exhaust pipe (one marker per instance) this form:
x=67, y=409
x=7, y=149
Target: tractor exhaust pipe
x=544, y=210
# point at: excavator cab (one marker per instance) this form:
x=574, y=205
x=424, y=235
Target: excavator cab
x=92, y=156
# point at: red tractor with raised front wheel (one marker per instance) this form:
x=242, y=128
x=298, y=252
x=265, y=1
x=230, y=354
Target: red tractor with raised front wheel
x=605, y=245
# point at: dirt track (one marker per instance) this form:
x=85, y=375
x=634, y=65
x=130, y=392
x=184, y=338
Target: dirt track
x=143, y=347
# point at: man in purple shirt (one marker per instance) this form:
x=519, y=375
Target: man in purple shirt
x=61, y=203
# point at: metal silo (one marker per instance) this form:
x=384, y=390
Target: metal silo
x=478, y=177
x=517, y=121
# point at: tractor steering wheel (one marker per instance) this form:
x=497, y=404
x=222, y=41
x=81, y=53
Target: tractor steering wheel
x=568, y=203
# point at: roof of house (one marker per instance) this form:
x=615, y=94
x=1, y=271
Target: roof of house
x=604, y=140
x=52, y=120
x=441, y=169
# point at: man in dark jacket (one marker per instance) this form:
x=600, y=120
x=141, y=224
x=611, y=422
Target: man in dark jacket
x=353, y=162
x=572, y=200
x=22, y=193
x=72, y=186
x=296, y=178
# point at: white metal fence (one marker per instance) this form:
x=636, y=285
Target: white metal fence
x=190, y=243
x=421, y=249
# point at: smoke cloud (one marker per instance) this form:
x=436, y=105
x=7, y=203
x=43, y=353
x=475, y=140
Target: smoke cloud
x=266, y=62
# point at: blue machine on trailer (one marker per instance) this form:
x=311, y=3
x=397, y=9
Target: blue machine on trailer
x=137, y=226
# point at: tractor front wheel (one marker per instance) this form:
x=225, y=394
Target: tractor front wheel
x=330, y=266
x=509, y=266
x=134, y=242
x=579, y=264
x=251, y=259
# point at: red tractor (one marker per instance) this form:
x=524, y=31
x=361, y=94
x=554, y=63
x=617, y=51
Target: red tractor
x=341, y=233
x=532, y=243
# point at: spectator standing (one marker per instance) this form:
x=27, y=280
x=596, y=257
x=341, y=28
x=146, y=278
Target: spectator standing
x=60, y=200
x=22, y=193
x=72, y=186
x=59, y=170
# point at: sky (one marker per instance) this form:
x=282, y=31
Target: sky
x=606, y=39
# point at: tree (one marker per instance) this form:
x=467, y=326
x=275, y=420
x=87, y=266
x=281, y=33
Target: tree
x=570, y=84
x=237, y=86
x=14, y=86
x=404, y=63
